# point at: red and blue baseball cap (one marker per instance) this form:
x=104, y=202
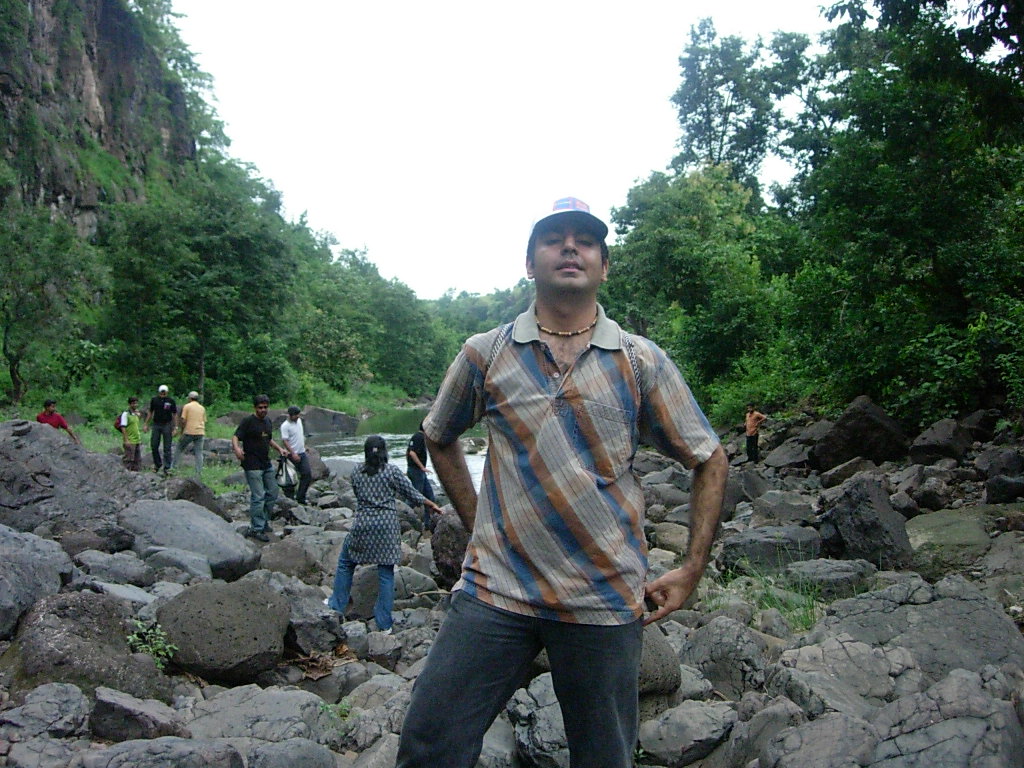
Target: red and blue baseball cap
x=577, y=210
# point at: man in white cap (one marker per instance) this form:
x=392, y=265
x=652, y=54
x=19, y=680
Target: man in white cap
x=163, y=414
x=557, y=557
x=192, y=430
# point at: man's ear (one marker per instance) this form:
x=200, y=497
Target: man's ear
x=529, y=267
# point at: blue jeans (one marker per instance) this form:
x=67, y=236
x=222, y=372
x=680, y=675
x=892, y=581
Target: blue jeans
x=480, y=657
x=343, y=587
x=196, y=441
x=163, y=432
x=263, y=490
x=421, y=483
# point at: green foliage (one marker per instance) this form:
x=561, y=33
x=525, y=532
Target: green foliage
x=799, y=601
x=151, y=639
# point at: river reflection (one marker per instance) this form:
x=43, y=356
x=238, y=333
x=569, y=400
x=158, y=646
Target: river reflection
x=338, y=451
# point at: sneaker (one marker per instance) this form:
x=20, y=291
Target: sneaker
x=387, y=631
x=258, y=535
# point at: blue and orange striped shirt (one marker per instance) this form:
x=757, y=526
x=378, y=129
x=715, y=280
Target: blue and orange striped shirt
x=559, y=522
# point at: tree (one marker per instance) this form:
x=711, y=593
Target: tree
x=47, y=274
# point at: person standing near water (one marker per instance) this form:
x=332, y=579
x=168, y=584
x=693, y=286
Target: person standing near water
x=375, y=535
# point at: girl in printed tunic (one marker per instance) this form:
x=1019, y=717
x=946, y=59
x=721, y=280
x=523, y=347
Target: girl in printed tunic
x=375, y=534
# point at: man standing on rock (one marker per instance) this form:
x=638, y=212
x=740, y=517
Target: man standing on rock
x=751, y=425
x=293, y=435
x=163, y=415
x=252, y=442
x=192, y=430
x=557, y=557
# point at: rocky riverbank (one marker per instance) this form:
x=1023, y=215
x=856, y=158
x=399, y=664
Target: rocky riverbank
x=862, y=610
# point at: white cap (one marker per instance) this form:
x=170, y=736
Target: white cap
x=162, y=388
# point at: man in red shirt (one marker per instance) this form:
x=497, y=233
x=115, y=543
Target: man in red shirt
x=50, y=416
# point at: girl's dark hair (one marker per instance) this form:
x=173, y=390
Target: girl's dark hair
x=376, y=452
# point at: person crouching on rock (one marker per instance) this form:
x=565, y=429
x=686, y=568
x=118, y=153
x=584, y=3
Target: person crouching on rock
x=375, y=535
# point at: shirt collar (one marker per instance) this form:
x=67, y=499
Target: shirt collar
x=606, y=332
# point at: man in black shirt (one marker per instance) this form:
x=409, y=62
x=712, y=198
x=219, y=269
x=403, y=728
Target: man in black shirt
x=252, y=442
x=163, y=414
x=416, y=469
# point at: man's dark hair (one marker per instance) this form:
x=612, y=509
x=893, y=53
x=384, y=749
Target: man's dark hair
x=133, y=399
x=261, y=400
x=48, y=403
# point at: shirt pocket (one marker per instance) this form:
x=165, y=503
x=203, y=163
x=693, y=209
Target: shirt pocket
x=605, y=438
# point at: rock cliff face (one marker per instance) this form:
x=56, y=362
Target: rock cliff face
x=87, y=107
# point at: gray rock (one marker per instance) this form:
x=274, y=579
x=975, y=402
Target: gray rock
x=750, y=736
x=672, y=537
x=119, y=716
x=188, y=489
x=370, y=726
x=382, y=754
x=80, y=637
x=291, y=753
x=659, y=664
x=728, y=654
x=184, y=525
x=124, y=592
x=934, y=493
x=950, y=541
x=499, y=746
x=449, y=542
x=904, y=503
x=312, y=627
x=120, y=567
x=791, y=454
x=537, y=722
x=863, y=430
x=30, y=568
x=846, y=470
x=843, y=675
x=290, y=556
x=982, y=424
x=946, y=626
x=57, y=710
x=165, y=752
x=686, y=733
x=44, y=752
x=229, y=632
x=318, y=420
x=192, y=563
x=1003, y=490
x=768, y=549
x=832, y=579
x=782, y=507
x=863, y=525
x=272, y=714
x=943, y=439
x=834, y=740
x=48, y=481
x=954, y=722
x=1000, y=460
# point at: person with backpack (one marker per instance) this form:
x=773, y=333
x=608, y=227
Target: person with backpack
x=129, y=425
x=557, y=557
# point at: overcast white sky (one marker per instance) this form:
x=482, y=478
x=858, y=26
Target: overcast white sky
x=434, y=134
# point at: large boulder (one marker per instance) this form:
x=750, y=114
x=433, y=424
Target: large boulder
x=449, y=542
x=946, y=626
x=862, y=524
x=311, y=626
x=30, y=568
x=227, y=632
x=769, y=548
x=164, y=752
x=728, y=654
x=863, y=430
x=949, y=541
x=47, y=482
x=945, y=439
x=271, y=714
x=1000, y=460
x=317, y=420
x=687, y=732
x=184, y=525
x=81, y=638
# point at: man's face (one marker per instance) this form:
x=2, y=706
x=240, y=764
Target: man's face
x=293, y=417
x=567, y=257
x=261, y=409
x=133, y=404
x=49, y=408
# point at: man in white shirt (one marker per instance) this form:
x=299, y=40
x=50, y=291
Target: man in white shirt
x=295, y=441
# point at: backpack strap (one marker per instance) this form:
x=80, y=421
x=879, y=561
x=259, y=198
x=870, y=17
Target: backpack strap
x=630, y=346
x=504, y=332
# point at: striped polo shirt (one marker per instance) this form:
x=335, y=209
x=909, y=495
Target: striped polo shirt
x=559, y=522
